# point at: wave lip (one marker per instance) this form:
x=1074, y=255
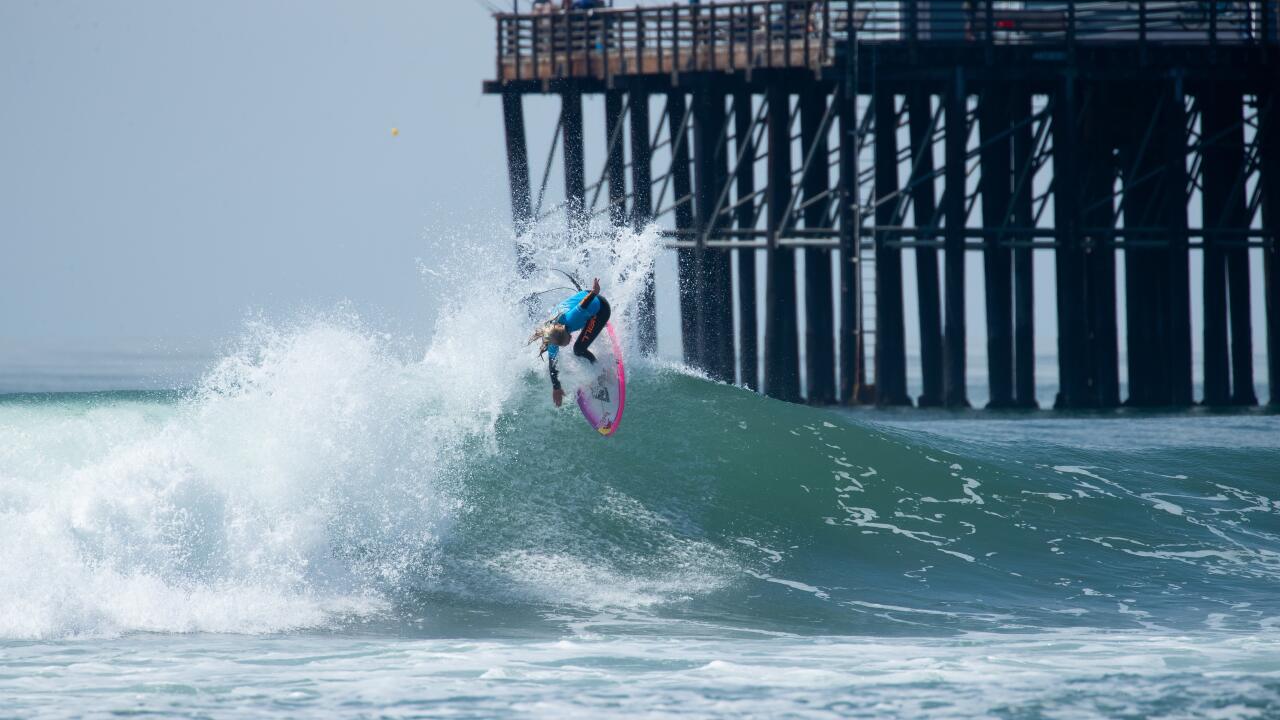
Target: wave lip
x=315, y=473
x=290, y=488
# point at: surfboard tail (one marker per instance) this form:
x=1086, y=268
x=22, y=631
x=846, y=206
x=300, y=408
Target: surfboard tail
x=603, y=400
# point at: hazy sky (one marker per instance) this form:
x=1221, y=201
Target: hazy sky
x=166, y=167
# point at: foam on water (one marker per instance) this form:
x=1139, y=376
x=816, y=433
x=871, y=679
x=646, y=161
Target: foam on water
x=327, y=475
x=234, y=511
x=312, y=474
x=1074, y=674
x=455, y=544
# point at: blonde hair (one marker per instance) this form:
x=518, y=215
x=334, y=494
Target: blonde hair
x=548, y=333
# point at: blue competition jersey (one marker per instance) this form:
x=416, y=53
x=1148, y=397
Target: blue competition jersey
x=574, y=317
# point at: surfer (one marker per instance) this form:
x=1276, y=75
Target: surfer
x=583, y=311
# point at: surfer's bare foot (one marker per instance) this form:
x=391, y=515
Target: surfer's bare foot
x=556, y=396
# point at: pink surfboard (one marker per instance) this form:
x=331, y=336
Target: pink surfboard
x=602, y=399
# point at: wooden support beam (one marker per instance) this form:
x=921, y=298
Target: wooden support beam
x=995, y=181
x=955, y=105
x=615, y=160
x=642, y=212
x=891, y=352
x=1098, y=256
x=1151, y=136
x=1242, y=388
x=1222, y=157
x=1024, y=350
x=1226, y=208
x=781, y=359
x=1140, y=302
x=1172, y=137
x=1144, y=157
x=745, y=218
x=713, y=312
x=681, y=190
x=1072, y=389
x=1269, y=158
x=925, y=208
x=518, y=173
x=852, y=372
x=820, y=360
x=575, y=179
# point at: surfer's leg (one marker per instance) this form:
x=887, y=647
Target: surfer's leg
x=593, y=328
x=584, y=340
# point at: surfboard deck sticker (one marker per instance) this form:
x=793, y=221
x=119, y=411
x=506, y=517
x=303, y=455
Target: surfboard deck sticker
x=602, y=400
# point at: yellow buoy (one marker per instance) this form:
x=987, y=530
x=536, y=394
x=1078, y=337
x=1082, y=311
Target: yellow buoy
x=395, y=132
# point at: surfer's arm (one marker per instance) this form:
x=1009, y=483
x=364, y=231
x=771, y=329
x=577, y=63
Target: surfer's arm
x=595, y=290
x=557, y=393
x=554, y=373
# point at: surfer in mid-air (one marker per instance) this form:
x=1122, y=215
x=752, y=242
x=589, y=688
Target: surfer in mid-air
x=584, y=313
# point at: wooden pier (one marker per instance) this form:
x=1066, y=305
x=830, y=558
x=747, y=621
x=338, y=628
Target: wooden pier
x=850, y=131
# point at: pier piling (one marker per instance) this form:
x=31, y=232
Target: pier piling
x=1085, y=134
x=995, y=132
x=1068, y=260
x=745, y=217
x=955, y=218
x=781, y=342
x=923, y=124
x=1024, y=334
x=852, y=352
x=1226, y=278
x=820, y=359
x=713, y=280
x=682, y=205
x=642, y=211
x=575, y=177
x=1097, y=254
x=1171, y=145
x=518, y=164
x=891, y=351
x=1268, y=105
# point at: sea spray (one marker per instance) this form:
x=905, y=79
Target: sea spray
x=322, y=475
x=269, y=499
x=311, y=475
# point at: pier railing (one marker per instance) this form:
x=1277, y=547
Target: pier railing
x=732, y=36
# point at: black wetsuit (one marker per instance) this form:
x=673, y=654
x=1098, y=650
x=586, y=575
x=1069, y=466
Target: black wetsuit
x=591, y=329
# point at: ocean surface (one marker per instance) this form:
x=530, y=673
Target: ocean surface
x=325, y=523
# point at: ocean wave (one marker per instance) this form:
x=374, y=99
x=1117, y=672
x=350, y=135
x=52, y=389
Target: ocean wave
x=322, y=475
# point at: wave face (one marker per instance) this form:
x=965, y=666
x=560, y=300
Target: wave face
x=723, y=506
x=322, y=476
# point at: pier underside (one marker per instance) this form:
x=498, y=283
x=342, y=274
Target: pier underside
x=831, y=151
